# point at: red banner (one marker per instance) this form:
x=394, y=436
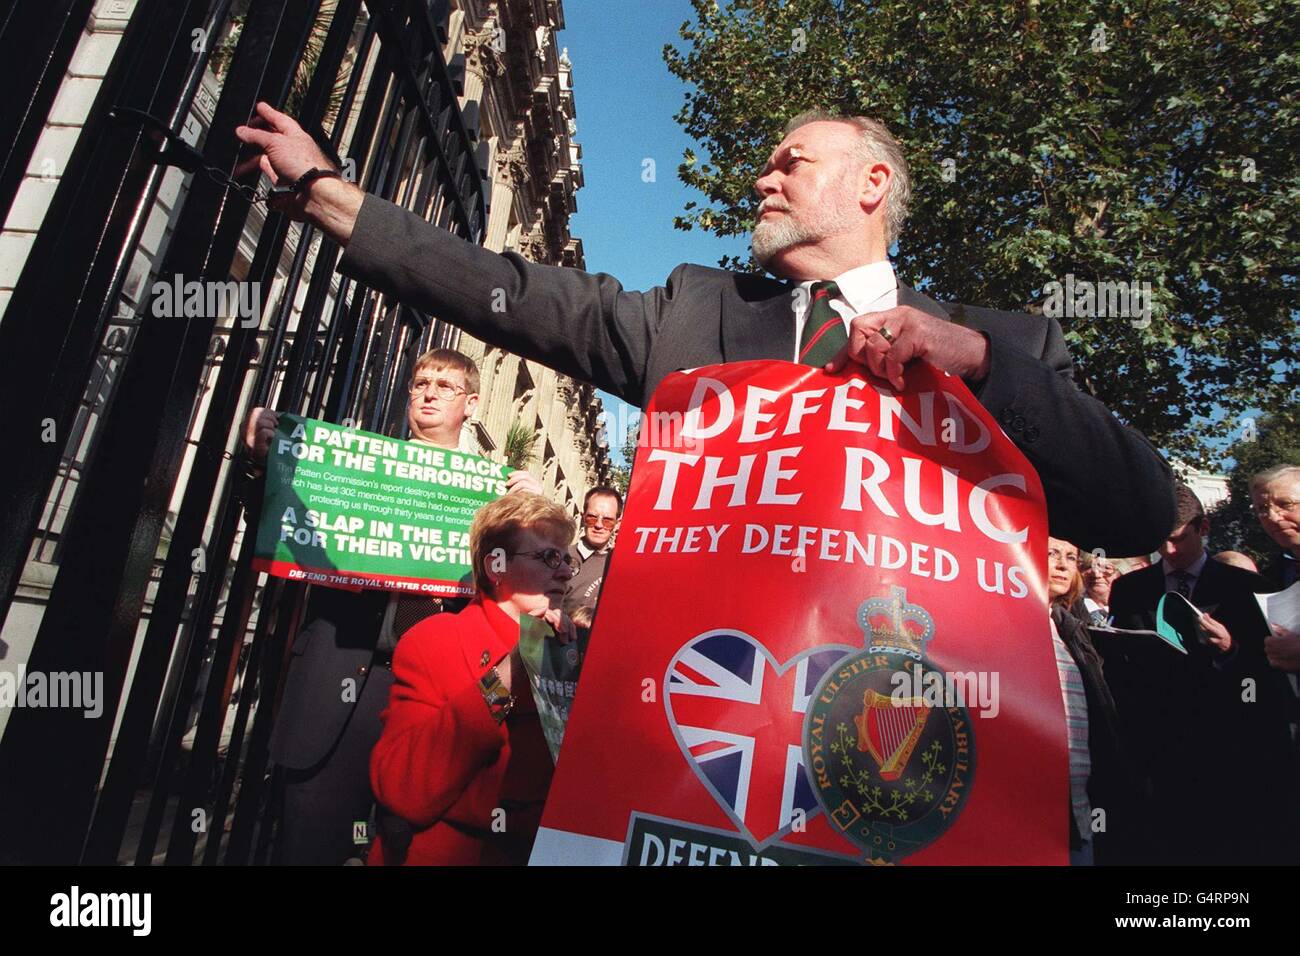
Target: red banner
x=823, y=639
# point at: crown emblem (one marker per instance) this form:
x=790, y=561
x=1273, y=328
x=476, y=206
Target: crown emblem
x=891, y=625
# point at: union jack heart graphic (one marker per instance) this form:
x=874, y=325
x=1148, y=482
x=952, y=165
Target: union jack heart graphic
x=738, y=716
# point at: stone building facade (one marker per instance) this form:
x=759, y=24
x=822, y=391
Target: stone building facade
x=519, y=86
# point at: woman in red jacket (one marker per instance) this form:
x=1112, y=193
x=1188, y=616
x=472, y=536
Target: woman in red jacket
x=462, y=758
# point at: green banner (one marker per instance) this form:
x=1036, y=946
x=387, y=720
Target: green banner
x=352, y=509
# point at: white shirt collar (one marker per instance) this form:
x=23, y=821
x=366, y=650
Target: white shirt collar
x=861, y=287
x=586, y=550
x=869, y=288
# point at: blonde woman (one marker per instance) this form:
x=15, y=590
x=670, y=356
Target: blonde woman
x=462, y=758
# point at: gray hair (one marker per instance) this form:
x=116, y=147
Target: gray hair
x=1266, y=478
x=876, y=145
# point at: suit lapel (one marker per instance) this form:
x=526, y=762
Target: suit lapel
x=1204, y=591
x=956, y=313
x=917, y=300
x=761, y=329
x=1208, y=595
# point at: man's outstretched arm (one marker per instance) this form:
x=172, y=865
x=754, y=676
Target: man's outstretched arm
x=580, y=324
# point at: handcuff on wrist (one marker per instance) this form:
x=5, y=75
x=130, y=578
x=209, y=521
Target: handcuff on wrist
x=299, y=186
x=500, y=702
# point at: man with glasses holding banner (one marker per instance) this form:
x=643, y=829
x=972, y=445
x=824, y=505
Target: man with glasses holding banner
x=601, y=509
x=341, y=668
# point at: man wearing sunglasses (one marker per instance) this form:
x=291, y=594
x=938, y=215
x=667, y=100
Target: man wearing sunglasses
x=340, y=672
x=601, y=509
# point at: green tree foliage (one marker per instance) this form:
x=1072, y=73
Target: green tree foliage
x=621, y=475
x=1274, y=440
x=1151, y=142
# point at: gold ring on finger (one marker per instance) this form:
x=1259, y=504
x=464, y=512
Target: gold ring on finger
x=887, y=335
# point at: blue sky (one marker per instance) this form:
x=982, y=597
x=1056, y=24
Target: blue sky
x=625, y=100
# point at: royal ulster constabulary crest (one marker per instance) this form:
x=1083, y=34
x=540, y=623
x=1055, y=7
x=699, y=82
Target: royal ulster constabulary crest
x=891, y=772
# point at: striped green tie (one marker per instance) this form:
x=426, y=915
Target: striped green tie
x=823, y=329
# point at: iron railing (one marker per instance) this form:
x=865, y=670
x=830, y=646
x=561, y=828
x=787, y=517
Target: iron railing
x=135, y=511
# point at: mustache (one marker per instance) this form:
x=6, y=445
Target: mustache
x=770, y=205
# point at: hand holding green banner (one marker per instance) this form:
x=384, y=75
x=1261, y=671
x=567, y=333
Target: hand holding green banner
x=352, y=509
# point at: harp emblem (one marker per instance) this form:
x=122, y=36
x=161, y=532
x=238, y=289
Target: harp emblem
x=889, y=730
x=891, y=772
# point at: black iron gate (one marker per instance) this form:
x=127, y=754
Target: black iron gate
x=124, y=488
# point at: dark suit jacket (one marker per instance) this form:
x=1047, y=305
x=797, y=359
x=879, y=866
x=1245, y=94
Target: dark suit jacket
x=1215, y=760
x=1110, y=779
x=338, y=644
x=1106, y=486
x=1278, y=569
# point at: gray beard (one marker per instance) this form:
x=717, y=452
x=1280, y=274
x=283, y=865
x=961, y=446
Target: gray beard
x=769, y=238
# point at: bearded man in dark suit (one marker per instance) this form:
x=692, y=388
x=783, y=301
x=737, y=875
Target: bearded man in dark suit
x=834, y=194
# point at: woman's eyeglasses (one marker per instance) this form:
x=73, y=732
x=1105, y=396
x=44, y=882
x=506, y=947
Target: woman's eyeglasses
x=551, y=557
